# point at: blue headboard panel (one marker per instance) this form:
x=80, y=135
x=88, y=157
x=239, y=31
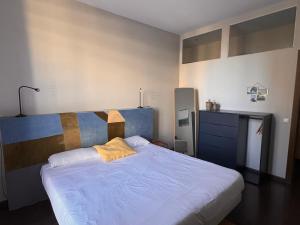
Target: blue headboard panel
x=133, y=124
x=15, y=130
x=93, y=129
x=29, y=141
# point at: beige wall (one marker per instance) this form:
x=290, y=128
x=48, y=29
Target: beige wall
x=226, y=80
x=84, y=59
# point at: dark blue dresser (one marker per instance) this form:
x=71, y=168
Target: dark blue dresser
x=223, y=140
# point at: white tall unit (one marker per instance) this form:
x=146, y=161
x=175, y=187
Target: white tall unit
x=186, y=117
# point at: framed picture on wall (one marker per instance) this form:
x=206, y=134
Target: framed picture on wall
x=257, y=92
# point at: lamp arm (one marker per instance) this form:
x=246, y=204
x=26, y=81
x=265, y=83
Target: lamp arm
x=24, y=86
x=20, y=100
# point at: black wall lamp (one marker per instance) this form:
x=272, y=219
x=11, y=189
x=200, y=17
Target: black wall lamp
x=20, y=101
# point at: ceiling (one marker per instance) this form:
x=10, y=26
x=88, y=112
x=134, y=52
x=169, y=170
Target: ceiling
x=178, y=16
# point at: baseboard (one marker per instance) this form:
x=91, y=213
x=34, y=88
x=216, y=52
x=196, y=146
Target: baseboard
x=4, y=204
x=256, y=177
x=278, y=179
x=297, y=163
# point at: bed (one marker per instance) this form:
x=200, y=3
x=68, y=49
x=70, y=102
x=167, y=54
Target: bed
x=156, y=186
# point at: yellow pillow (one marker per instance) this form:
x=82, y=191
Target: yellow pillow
x=115, y=149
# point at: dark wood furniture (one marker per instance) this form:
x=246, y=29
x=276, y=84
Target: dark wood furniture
x=223, y=140
x=160, y=143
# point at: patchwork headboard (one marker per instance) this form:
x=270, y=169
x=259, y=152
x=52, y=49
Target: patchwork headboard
x=29, y=141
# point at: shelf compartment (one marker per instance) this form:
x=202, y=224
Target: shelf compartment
x=202, y=47
x=266, y=33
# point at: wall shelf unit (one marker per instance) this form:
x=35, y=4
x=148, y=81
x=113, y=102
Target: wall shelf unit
x=202, y=47
x=266, y=33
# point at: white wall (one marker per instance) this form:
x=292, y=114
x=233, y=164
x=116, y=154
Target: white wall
x=226, y=80
x=84, y=59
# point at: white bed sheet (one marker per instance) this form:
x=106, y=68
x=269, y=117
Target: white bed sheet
x=156, y=186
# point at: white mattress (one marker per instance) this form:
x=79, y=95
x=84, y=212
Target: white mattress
x=155, y=186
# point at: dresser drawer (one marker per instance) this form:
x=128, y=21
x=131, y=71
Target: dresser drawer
x=220, y=156
x=221, y=142
x=225, y=119
x=219, y=130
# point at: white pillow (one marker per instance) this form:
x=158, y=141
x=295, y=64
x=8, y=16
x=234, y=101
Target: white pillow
x=136, y=141
x=72, y=157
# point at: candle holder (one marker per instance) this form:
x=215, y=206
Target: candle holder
x=141, y=99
